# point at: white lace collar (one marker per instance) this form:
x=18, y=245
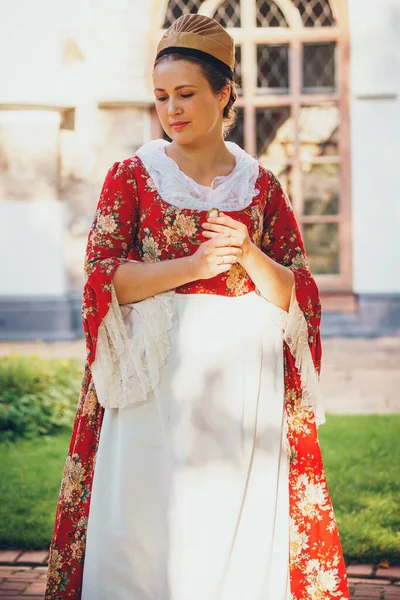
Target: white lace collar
x=227, y=192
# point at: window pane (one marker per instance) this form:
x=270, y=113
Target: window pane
x=319, y=68
x=319, y=131
x=177, y=8
x=320, y=185
x=283, y=173
x=315, y=13
x=228, y=13
x=238, y=66
x=269, y=14
x=274, y=133
x=237, y=133
x=273, y=68
x=322, y=247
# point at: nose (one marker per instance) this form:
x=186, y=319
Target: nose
x=173, y=107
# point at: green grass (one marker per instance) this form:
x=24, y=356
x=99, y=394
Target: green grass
x=362, y=461
x=31, y=472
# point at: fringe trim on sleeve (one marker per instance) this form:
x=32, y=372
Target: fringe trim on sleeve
x=132, y=346
x=296, y=337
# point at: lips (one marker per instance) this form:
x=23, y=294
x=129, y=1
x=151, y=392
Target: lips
x=179, y=126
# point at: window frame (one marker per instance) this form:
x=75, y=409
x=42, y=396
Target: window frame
x=248, y=36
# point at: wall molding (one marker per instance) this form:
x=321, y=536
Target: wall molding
x=377, y=315
x=52, y=319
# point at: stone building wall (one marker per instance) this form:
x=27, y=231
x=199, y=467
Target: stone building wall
x=109, y=75
x=77, y=97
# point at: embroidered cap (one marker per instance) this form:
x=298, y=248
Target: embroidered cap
x=201, y=37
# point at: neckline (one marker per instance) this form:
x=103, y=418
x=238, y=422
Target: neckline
x=231, y=192
x=193, y=181
x=254, y=198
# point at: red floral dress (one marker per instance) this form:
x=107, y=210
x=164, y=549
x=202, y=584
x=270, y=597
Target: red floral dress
x=130, y=222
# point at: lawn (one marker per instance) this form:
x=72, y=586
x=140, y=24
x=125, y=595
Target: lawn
x=31, y=473
x=362, y=461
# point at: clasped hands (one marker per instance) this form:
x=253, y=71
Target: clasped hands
x=226, y=242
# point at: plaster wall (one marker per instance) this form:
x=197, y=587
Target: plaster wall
x=375, y=144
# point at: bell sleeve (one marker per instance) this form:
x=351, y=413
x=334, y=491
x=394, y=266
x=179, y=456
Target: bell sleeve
x=126, y=344
x=282, y=241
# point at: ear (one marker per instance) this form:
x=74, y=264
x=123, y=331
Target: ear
x=224, y=96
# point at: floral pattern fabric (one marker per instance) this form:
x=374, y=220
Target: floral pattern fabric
x=132, y=222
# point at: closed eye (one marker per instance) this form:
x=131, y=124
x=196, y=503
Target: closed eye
x=162, y=98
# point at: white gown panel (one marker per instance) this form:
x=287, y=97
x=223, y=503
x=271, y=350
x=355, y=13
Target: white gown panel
x=190, y=496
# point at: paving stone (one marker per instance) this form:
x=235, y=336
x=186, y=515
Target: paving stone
x=6, y=572
x=367, y=592
x=392, y=593
x=366, y=595
x=12, y=585
x=38, y=556
x=18, y=597
x=359, y=570
x=38, y=587
x=389, y=572
x=25, y=575
x=7, y=556
x=383, y=582
x=16, y=569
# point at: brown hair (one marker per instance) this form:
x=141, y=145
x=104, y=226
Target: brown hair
x=217, y=81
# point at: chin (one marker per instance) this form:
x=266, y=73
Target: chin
x=184, y=137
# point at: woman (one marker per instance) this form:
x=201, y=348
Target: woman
x=195, y=443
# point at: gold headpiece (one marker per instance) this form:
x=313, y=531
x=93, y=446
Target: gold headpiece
x=201, y=37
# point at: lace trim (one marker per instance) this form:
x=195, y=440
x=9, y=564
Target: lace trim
x=132, y=346
x=228, y=193
x=296, y=337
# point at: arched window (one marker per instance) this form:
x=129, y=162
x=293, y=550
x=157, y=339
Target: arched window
x=270, y=15
x=315, y=13
x=228, y=13
x=291, y=66
x=178, y=8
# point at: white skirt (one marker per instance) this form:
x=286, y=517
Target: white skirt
x=190, y=496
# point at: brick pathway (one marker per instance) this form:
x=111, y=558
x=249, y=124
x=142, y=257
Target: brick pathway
x=358, y=375
x=23, y=577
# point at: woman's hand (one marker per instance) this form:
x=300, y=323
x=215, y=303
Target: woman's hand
x=215, y=256
x=235, y=231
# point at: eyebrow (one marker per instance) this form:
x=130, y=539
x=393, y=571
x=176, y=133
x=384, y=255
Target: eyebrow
x=178, y=87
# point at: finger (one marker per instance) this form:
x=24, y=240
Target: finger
x=228, y=259
x=225, y=220
x=229, y=251
x=219, y=228
x=214, y=234
x=233, y=241
x=221, y=242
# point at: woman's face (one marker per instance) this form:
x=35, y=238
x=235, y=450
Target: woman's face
x=188, y=109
